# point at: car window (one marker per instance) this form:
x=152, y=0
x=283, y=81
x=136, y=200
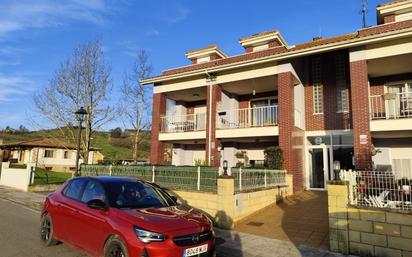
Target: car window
x=74, y=189
x=93, y=190
x=129, y=194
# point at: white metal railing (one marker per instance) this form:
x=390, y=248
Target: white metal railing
x=258, y=179
x=380, y=189
x=248, y=117
x=183, y=123
x=391, y=106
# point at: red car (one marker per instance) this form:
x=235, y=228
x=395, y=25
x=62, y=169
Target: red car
x=124, y=217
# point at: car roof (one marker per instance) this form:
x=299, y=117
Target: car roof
x=108, y=179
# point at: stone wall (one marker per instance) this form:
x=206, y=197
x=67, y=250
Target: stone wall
x=226, y=207
x=367, y=231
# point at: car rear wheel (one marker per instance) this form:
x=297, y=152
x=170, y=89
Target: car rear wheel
x=46, y=231
x=115, y=247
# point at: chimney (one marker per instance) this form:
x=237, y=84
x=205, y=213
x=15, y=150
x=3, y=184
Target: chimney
x=206, y=54
x=262, y=41
x=398, y=10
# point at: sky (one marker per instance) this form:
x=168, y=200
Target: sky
x=37, y=35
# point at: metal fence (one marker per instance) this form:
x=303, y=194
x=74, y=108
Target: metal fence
x=258, y=179
x=380, y=189
x=173, y=177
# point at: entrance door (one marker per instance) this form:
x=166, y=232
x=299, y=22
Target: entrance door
x=318, y=167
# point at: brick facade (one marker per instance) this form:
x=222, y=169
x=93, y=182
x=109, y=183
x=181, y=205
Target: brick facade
x=157, y=148
x=212, y=101
x=360, y=115
x=286, y=124
x=330, y=119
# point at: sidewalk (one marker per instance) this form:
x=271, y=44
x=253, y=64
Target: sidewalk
x=228, y=243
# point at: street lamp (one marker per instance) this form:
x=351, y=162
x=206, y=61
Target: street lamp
x=80, y=114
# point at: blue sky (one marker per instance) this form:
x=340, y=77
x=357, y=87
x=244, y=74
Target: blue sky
x=37, y=35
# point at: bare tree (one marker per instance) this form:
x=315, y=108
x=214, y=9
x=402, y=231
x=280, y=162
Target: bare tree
x=134, y=99
x=82, y=80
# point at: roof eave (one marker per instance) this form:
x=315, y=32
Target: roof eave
x=306, y=51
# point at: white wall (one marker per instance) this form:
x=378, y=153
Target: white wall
x=16, y=178
x=299, y=104
x=187, y=154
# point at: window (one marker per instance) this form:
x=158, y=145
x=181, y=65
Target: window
x=74, y=189
x=93, y=190
x=317, y=86
x=342, y=93
x=49, y=153
x=342, y=100
x=66, y=155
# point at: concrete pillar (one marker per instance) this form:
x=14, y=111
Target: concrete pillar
x=214, y=95
x=362, y=141
x=338, y=201
x=226, y=202
x=157, y=148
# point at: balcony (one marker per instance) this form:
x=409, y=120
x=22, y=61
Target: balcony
x=390, y=112
x=391, y=106
x=248, y=117
x=183, y=123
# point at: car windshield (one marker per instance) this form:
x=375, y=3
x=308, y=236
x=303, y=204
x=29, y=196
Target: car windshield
x=135, y=194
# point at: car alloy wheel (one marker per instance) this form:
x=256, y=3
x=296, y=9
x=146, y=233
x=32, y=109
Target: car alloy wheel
x=45, y=230
x=116, y=251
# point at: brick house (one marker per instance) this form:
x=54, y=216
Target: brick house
x=347, y=98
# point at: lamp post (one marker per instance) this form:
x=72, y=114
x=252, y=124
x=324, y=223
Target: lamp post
x=80, y=114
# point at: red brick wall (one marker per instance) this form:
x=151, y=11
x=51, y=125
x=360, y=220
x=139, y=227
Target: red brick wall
x=298, y=140
x=389, y=18
x=212, y=101
x=286, y=125
x=157, y=148
x=360, y=114
x=329, y=119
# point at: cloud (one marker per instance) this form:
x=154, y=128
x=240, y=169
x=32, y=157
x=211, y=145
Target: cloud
x=129, y=47
x=153, y=32
x=26, y=14
x=175, y=14
x=14, y=86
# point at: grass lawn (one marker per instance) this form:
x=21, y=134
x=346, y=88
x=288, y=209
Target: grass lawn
x=43, y=177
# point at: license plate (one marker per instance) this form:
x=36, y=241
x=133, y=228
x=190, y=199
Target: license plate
x=195, y=251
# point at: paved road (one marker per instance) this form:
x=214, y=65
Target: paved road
x=19, y=230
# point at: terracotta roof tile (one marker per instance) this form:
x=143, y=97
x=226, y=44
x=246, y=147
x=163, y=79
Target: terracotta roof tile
x=384, y=28
x=42, y=142
x=260, y=34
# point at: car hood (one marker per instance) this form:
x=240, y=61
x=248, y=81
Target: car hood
x=170, y=220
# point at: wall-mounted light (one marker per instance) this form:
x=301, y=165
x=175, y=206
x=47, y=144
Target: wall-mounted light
x=225, y=167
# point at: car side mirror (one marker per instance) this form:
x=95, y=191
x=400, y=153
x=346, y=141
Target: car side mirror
x=97, y=204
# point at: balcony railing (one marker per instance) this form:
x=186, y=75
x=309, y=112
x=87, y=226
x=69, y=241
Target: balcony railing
x=183, y=123
x=391, y=106
x=248, y=117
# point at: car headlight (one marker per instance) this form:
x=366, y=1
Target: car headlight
x=148, y=236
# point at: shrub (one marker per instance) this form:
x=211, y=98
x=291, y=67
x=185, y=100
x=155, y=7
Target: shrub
x=274, y=158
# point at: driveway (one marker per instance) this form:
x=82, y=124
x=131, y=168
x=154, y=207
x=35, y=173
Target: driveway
x=301, y=219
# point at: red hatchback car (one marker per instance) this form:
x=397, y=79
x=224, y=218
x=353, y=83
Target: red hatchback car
x=124, y=217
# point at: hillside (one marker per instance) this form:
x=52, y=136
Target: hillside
x=118, y=148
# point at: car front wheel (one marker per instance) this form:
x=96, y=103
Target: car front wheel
x=46, y=231
x=115, y=247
